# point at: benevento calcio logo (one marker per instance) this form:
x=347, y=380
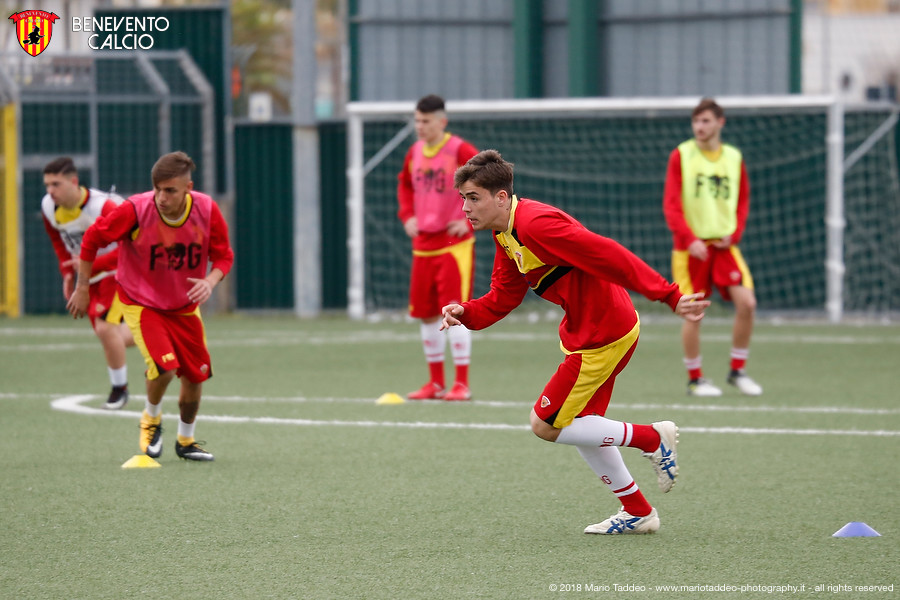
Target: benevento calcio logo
x=34, y=28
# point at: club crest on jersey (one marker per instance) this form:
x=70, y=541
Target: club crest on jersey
x=34, y=28
x=545, y=401
x=520, y=260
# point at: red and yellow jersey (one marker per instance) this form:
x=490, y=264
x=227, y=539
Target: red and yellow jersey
x=66, y=227
x=705, y=197
x=425, y=190
x=548, y=251
x=157, y=256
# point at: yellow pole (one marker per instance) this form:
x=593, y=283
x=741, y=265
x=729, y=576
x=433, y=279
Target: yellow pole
x=9, y=253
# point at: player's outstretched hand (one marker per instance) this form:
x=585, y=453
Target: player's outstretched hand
x=78, y=302
x=691, y=307
x=451, y=314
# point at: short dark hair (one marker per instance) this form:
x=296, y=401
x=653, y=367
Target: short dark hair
x=487, y=170
x=430, y=103
x=61, y=166
x=708, y=104
x=171, y=165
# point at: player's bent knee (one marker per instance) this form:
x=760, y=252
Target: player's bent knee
x=747, y=304
x=542, y=429
x=164, y=377
x=743, y=298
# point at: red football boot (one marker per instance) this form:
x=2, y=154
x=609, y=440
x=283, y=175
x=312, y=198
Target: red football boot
x=429, y=391
x=459, y=391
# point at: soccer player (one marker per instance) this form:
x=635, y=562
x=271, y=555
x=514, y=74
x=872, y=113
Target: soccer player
x=443, y=245
x=706, y=202
x=167, y=238
x=543, y=248
x=68, y=209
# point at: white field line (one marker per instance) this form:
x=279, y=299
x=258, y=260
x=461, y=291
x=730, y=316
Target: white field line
x=726, y=408
x=819, y=410
x=74, y=404
x=289, y=338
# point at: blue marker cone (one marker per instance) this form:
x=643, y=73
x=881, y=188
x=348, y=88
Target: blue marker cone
x=855, y=529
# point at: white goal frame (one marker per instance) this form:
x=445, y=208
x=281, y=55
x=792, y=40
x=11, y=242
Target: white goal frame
x=358, y=166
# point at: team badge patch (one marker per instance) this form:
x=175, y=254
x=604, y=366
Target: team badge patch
x=545, y=401
x=34, y=28
x=520, y=260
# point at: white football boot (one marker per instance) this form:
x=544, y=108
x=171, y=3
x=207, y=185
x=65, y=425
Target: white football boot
x=703, y=388
x=665, y=458
x=625, y=523
x=742, y=381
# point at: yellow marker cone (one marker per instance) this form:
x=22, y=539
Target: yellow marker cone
x=141, y=461
x=390, y=398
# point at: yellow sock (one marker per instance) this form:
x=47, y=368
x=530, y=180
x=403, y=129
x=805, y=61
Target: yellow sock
x=185, y=441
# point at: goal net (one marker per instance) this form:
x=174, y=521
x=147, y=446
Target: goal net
x=822, y=236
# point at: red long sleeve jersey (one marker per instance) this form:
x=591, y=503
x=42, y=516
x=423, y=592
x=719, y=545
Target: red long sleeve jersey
x=673, y=208
x=585, y=273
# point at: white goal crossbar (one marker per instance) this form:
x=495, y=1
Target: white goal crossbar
x=360, y=113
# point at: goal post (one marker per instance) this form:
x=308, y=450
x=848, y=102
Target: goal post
x=823, y=176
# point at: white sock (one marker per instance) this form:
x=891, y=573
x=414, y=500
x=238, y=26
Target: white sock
x=740, y=353
x=118, y=377
x=433, y=340
x=608, y=465
x=460, y=344
x=693, y=363
x=153, y=410
x=186, y=430
x=594, y=430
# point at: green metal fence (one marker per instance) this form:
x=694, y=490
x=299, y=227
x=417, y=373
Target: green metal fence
x=205, y=33
x=264, y=212
x=114, y=114
x=333, y=190
x=262, y=233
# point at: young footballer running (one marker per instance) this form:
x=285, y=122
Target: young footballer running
x=167, y=238
x=68, y=209
x=543, y=248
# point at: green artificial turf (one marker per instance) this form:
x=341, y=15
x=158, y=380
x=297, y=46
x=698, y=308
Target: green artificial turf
x=317, y=492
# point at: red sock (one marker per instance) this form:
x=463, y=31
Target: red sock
x=437, y=373
x=739, y=358
x=694, y=367
x=645, y=438
x=635, y=504
x=462, y=374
